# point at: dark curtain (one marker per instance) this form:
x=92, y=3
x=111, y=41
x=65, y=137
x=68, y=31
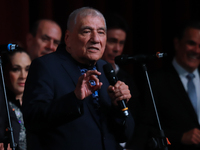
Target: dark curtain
x=152, y=22
x=14, y=21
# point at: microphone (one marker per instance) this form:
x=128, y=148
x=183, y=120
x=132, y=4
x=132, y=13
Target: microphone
x=124, y=59
x=9, y=47
x=112, y=78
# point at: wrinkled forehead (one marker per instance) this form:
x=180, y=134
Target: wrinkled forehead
x=83, y=18
x=91, y=19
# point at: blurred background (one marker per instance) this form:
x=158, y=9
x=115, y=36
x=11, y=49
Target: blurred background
x=152, y=23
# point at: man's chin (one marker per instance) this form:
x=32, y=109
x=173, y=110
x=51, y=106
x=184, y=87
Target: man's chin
x=111, y=61
x=191, y=66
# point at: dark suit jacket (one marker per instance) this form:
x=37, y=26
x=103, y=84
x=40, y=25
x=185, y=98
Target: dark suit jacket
x=56, y=119
x=174, y=108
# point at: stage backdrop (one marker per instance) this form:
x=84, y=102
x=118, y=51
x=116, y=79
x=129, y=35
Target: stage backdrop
x=152, y=22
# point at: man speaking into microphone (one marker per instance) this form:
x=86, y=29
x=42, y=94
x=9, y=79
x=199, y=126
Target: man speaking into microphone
x=68, y=102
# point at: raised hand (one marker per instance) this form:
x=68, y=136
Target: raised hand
x=84, y=88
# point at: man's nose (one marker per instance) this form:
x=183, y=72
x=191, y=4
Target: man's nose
x=51, y=45
x=95, y=37
x=117, y=47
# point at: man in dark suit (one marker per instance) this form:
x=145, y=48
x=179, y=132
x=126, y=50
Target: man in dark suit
x=178, y=115
x=62, y=107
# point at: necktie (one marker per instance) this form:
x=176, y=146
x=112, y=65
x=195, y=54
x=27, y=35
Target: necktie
x=192, y=91
x=95, y=95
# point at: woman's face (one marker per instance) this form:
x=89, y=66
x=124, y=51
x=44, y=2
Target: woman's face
x=17, y=71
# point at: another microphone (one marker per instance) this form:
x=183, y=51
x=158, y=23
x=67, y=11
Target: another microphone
x=112, y=78
x=8, y=47
x=124, y=59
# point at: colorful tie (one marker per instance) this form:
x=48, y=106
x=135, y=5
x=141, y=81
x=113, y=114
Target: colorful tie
x=192, y=91
x=95, y=94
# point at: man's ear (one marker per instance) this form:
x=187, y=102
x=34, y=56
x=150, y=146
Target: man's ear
x=67, y=39
x=176, y=43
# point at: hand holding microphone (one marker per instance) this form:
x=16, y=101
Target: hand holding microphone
x=118, y=91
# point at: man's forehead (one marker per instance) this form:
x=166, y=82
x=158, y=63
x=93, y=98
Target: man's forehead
x=91, y=21
x=47, y=26
x=190, y=32
x=51, y=31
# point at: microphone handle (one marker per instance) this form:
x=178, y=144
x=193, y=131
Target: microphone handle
x=112, y=78
x=123, y=107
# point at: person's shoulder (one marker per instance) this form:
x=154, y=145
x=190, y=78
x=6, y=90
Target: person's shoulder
x=54, y=56
x=45, y=58
x=102, y=62
x=50, y=60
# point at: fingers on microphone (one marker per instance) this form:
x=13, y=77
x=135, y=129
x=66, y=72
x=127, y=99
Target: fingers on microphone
x=121, y=89
x=123, y=97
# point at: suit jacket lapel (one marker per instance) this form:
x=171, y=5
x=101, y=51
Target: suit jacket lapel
x=105, y=100
x=103, y=96
x=69, y=64
x=103, y=91
x=92, y=110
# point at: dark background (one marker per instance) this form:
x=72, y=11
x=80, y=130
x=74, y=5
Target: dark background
x=152, y=22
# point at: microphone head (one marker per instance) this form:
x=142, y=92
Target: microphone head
x=160, y=55
x=125, y=59
x=9, y=47
x=12, y=47
x=122, y=59
x=141, y=58
x=110, y=73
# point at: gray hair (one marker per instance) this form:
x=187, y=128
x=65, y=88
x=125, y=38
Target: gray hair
x=82, y=12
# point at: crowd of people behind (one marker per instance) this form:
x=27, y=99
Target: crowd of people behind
x=68, y=103
x=43, y=38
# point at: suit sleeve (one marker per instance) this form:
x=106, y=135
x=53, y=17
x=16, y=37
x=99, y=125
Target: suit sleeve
x=40, y=109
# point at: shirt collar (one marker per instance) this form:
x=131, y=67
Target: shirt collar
x=181, y=71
